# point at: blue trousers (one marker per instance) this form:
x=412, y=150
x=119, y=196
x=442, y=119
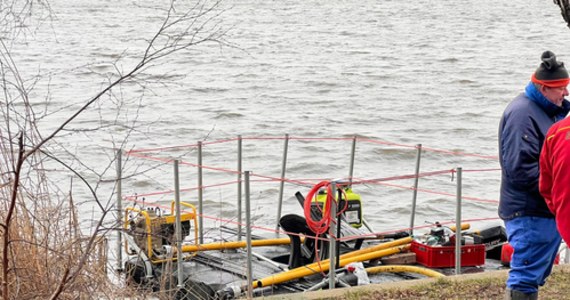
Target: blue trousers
x=535, y=242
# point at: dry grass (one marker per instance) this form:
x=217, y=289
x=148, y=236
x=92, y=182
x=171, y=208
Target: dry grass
x=490, y=285
x=44, y=250
x=472, y=287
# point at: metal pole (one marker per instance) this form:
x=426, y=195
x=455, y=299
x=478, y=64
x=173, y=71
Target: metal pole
x=239, y=188
x=332, y=240
x=351, y=175
x=248, y=237
x=458, y=225
x=119, y=212
x=282, y=184
x=367, y=225
x=352, y=154
x=200, y=195
x=178, y=225
x=415, y=191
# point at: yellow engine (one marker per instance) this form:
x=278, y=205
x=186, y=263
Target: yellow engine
x=352, y=205
x=152, y=231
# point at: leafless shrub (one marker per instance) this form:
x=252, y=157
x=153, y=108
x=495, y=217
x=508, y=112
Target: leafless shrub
x=46, y=250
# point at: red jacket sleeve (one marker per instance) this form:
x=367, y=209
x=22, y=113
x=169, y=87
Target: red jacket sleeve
x=554, y=182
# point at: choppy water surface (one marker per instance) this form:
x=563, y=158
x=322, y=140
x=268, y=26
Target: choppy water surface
x=437, y=73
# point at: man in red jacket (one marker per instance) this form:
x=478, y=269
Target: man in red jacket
x=554, y=182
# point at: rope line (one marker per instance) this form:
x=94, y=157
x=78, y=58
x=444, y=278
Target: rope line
x=441, y=193
x=379, y=181
x=318, y=226
x=423, y=174
x=367, y=140
x=306, y=183
x=317, y=237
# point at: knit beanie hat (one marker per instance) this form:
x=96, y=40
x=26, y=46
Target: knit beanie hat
x=550, y=73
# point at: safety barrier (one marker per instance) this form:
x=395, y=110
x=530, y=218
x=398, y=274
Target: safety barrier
x=157, y=155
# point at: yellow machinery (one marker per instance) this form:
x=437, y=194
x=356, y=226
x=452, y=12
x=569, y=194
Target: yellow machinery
x=351, y=206
x=152, y=231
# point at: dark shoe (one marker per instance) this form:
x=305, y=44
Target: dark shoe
x=517, y=295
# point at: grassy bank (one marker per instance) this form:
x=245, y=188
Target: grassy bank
x=488, y=285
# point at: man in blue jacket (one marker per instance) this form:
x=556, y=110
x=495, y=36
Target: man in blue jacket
x=530, y=225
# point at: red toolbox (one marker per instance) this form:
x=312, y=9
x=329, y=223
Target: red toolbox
x=444, y=256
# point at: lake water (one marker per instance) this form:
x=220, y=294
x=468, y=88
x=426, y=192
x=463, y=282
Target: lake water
x=436, y=73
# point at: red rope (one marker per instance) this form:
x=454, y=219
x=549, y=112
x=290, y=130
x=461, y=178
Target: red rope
x=367, y=140
x=440, y=193
x=319, y=226
x=409, y=176
x=316, y=238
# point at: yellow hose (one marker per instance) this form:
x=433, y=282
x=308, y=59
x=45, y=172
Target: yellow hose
x=381, y=250
x=464, y=226
x=284, y=241
x=400, y=269
x=236, y=245
x=381, y=246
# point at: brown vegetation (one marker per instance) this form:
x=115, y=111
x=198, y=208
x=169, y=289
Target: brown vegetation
x=488, y=285
x=46, y=250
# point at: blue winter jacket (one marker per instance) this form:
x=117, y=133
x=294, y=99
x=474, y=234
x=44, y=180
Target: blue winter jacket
x=522, y=130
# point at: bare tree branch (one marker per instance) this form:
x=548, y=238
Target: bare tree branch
x=8, y=219
x=39, y=219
